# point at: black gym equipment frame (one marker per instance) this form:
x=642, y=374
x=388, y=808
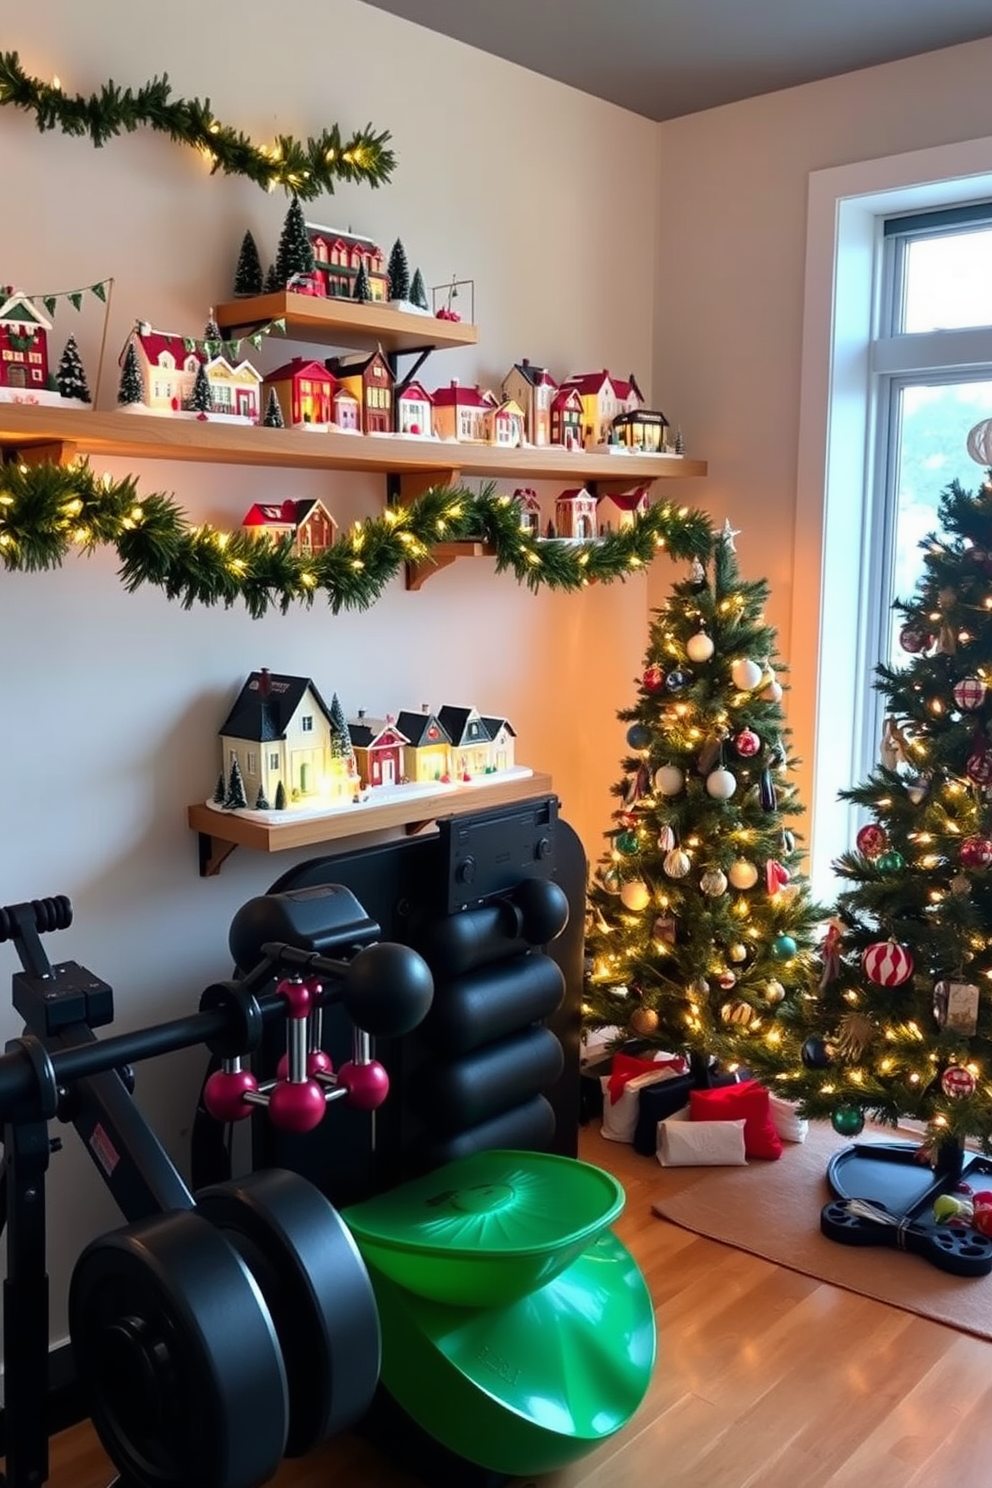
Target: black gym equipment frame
x=60, y=1070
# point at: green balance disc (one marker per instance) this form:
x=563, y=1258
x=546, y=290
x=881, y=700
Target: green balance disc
x=535, y=1384
x=488, y=1228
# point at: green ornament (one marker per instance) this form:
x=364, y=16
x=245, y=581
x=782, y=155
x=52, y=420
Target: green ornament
x=848, y=1120
x=628, y=844
x=891, y=862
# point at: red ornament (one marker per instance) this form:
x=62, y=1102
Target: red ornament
x=979, y=767
x=872, y=840
x=969, y=693
x=976, y=852
x=747, y=743
x=913, y=639
x=887, y=964
x=654, y=678
x=957, y=1082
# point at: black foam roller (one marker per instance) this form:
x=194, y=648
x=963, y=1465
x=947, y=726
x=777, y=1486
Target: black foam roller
x=474, y=937
x=462, y=1092
x=474, y=1010
x=530, y=1128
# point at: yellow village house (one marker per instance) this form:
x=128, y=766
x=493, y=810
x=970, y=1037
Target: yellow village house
x=281, y=733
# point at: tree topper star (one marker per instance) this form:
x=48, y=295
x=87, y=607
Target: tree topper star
x=728, y=533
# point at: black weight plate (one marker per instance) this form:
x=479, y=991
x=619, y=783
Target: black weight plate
x=317, y=1289
x=177, y=1349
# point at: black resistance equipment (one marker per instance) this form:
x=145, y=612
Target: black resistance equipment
x=213, y=1335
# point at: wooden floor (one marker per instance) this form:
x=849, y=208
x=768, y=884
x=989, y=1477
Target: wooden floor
x=764, y=1377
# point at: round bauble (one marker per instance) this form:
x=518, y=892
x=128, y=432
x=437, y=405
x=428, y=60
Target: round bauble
x=783, y=947
x=654, y=678
x=891, y=861
x=721, y=784
x=611, y=881
x=676, y=680
x=979, y=442
x=960, y=884
x=772, y=691
x=664, y=929
x=848, y=1119
x=726, y=979
x=872, y=840
x=713, y=883
x=979, y=766
x=639, y=736
x=887, y=964
x=737, y=952
x=742, y=874
x=699, y=647
x=747, y=743
x=969, y=694
x=975, y=852
x=628, y=843
x=745, y=674
x=913, y=638
x=774, y=992
x=636, y=895
x=815, y=1054
x=644, y=1021
x=738, y=1012
x=676, y=863
x=957, y=1082
x=668, y=780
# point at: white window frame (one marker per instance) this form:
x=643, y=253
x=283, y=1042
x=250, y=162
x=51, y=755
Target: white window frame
x=835, y=623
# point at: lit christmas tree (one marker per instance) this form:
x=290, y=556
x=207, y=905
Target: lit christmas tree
x=701, y=931
x=901, y=1025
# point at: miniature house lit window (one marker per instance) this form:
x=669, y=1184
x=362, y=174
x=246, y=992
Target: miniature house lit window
x=306, y=723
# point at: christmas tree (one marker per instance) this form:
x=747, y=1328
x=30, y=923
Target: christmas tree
x=200, y=397
x=272, y=418
x=71, y=378
x=399, y=272
x=701, y=930
x=361, y=289
x=130, y=388
x=236, y=799
x=295, y=252
x=418, y=293
x=901, y=1025
x=248, y=273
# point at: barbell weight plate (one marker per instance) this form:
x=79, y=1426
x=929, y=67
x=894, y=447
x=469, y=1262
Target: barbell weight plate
x=317, y=1289
x=175, y=1344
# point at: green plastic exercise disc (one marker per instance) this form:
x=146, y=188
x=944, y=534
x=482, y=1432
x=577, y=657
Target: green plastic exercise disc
x=488, y=1228
x=534, y=1384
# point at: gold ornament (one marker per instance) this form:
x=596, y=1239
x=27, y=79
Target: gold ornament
x=644, y=1021
x=854, y=1034
x=774, y=992
x=740, y=1013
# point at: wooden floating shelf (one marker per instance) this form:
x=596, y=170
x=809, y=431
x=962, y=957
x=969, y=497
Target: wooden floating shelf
x=341, y=322
x=221, y=832
x=442, y=555
x=53, y=433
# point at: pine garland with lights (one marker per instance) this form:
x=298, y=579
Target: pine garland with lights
x=700, y=927
x=902, y=1022
x=48, y=510
x=305, y=169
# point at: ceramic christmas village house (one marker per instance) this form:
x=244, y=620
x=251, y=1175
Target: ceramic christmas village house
x=25, y=372
x=284, y=746
x=165, y=373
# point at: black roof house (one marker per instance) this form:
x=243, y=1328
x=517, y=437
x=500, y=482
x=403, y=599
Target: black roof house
x=266, y=705
x=417, y=727
x=463, y=726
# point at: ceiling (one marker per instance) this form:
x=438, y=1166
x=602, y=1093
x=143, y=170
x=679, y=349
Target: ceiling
x=665, y=58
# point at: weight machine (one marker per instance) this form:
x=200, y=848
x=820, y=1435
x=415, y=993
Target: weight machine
x=220, y=1332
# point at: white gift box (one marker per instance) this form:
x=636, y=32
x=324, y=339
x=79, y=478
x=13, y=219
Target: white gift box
x=620, y=1116
x=790, y=1127
x=683, y=1143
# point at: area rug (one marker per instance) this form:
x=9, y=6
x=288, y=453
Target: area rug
x=772, y=1209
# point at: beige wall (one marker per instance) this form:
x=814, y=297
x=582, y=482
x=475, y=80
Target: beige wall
x=112, y=702
x=730, y=277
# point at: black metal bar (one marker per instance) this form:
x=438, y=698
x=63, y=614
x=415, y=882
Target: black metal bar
x=25, y=1304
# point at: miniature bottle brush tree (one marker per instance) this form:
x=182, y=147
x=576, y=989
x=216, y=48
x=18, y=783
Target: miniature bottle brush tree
x=701, y=930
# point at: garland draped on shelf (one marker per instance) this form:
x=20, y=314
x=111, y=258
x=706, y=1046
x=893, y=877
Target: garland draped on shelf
x=49, y=510
x=301, y=168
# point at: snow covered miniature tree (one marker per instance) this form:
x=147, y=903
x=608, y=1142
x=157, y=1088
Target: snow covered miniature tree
x=236, y=798
x=248, y=279
x=418, y=293
x=362, y=290
x=272, y=418
x=71, y=378
x=295, y=252
x=280, y=797
x=272, y=284
x=212, y=337
x=399, y=273
x=261, y=801
x=199, y=398
x=130, y=389
x=220, y=790
x=701, y=928
x=340, y=738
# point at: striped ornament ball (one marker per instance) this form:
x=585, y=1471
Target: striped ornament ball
x=887, y=963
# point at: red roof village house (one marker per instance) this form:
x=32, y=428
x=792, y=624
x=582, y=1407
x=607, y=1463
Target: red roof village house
x=603, y=397
x=460, y=413
x=23, y=343
x=168, y=364
x=414, y=410
x=369, y=378
x=617, y=512
x=307, y=521
x=575, y=515
x=305, y=390
x=566, y=418
x=529, y=508
x=378, y=745
x=338, y=256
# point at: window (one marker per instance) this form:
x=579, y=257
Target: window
x=897, y=367
x=306, y=723
x=273, y=761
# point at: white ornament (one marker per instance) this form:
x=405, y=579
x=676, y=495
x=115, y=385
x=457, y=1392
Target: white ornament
x=746, y=674
x=699, y=647
x=772, y=691
x=721, y=784
x=668, y=780
x=743, y=874
x=713, y=883
x=636, y=894
x=676, y=863
x=666, y=839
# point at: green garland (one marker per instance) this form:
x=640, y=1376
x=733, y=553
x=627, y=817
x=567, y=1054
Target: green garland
x=47, y=511
x=305, y=169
